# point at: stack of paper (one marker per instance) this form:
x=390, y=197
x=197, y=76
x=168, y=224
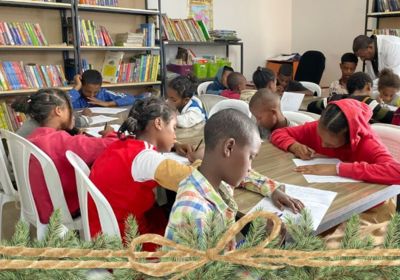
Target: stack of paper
x=317, y=202
x=94, y=131
x=320, y=178
x=107, y=111
x=101, y=119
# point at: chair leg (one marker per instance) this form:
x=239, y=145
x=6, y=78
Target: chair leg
x=2, y=202
x=398, y=204
x=40, y=230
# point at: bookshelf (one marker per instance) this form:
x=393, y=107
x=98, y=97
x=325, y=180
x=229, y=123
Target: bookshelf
x=376, y=19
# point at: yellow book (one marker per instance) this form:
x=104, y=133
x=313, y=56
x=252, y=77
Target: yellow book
x=111, y=63
x=85, y=34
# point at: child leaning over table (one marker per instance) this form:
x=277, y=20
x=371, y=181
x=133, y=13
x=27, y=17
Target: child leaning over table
x=231, y=143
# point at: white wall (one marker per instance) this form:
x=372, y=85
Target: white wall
x=328, y=26
x=259, y=23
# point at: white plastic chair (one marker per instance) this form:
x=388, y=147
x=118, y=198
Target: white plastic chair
x=239, y=105
x=209, y=100
x=108, y=221
x=313, y=87
x=7, y=191
x=297, y=118
x=202, y=88
x=21, y=151
x=313, y=115
x=390, y=135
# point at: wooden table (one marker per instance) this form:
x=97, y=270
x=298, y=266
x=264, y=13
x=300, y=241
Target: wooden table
x=352, y=198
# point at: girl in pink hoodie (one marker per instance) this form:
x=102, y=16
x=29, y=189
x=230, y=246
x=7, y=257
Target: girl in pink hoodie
x=343, y=132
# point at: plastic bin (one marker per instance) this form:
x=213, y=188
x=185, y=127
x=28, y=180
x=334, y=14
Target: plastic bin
x=183, y=70
x=200, y=69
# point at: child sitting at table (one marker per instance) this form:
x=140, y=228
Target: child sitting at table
x=236, y=83
x=389, y=87
x=343, y=132
x=220, y=82
x=180, y=94
x=231, y=143
x=348, y=65
x=265, y=106
x=285, y=82
x=264, y=78
x=87, y=92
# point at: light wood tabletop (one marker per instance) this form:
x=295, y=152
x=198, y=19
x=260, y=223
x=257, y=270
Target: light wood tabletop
x=352, y=198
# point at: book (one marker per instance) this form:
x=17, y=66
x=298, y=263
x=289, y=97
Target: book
x=110, y=67
x=92, y=34
x=21, y=34
x=188, y=30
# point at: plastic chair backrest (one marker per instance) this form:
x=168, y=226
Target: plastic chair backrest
x=5, y=168
x=202, y=88
x=297, y=117
x=108, y=221
x=312, y=87
x=390, y=135
x=311, y=67
x=239, y=105
x=313, y=115
x=21, y=151
x=209, y=100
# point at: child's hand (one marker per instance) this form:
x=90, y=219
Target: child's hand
x=317, y=169
x=106, y=131
x=95, y=101
x=281, y=199
x=301, y=151
x=87, y=112
x=183, y=149
x=195, y=155
x=77, y=82
x=279, y=90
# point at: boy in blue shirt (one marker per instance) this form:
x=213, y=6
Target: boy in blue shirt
x=88, y=92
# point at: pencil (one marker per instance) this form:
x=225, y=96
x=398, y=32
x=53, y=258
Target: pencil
x=105, y=126
x=198, y=146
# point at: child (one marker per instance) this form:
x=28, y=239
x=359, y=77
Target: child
x=220, y=81
x=180, y=94
x=131, y=168
x=51, y=109
x=388, y=87
x=265, y=106
x=359, y=87
x=87, y=92
x=348, y=66
x=231, y=143
x=285, y=82
x=236, y=83
x=264, y=78
x=343, y=131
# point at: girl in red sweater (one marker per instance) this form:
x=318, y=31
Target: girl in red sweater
x=343, y=132
x=51, y=109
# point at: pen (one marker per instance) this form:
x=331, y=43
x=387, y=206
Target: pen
x=198, y=146
x=105, y=126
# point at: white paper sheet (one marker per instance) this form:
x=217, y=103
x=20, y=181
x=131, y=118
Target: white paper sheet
x=94, y=131
x=291, y=101
x=176, y=157
x=283, y=57
x=392, y=108
x=101, y=119
x=316, y=201
x=109, y=111
x=320, y=178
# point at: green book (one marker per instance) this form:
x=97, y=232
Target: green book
x=204, y=29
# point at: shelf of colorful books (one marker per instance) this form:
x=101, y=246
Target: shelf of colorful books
x=119, y=10
x=109, y=85
x=116, y=48
x=18, y=92
x=35, y=4
x=384, y=14
x=37, y=48
x=209, y=43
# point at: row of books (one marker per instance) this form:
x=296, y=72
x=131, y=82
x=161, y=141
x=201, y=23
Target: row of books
x=141, y=68
x=381, y=6
x=15, y=75
x=188, y=30
x=146, y=37
x=9, y=119
x=394, y=32
x=21, y=34
x=109, y=3
x=92, y=34
x=86, y=65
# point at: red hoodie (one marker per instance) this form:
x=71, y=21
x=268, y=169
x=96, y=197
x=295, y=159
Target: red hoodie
x=364, y=158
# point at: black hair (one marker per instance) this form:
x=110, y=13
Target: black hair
x=234, y=79
x=358, y=81
x=286, y=70
x=387, y=78
x=185, y=86
x=92, y=77
x=362, y=42
x=228, y=123
x=349, y=57
x=334, y=120
x=262, y=77
x=263, y=97
x=40, y=104
x=144, y=111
